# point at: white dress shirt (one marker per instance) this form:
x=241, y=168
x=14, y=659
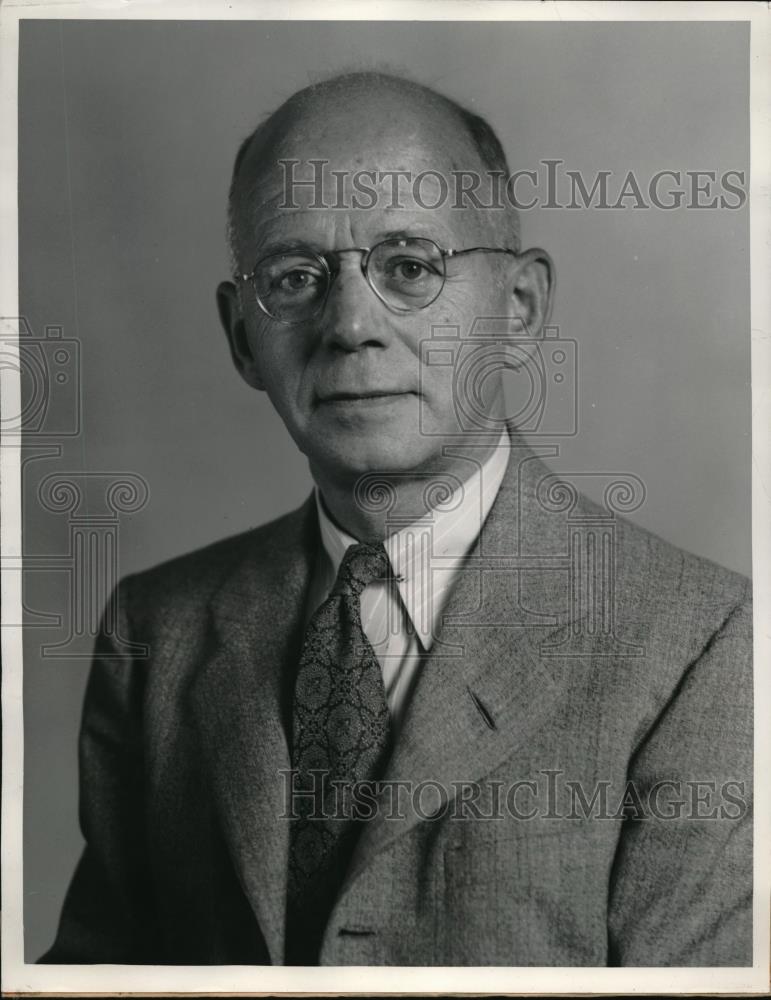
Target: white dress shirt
x=401, y=618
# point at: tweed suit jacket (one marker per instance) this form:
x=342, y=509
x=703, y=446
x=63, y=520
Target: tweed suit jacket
x=541, y=760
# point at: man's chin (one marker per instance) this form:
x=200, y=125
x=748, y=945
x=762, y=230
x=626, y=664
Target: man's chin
x=390, y=456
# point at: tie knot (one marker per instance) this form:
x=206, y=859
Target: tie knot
x=360, y=566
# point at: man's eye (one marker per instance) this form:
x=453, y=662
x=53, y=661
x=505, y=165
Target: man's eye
x=297, y=281
x=409, y=269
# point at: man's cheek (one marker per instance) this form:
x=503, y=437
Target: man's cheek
x=280, y=368
x=438, y=393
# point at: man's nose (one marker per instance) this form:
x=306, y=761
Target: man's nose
x=351, y=317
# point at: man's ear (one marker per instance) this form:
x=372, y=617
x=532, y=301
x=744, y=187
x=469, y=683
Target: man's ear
x=532, y=290
x=229, y=308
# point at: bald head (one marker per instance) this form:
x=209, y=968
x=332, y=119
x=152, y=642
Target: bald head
x=360, y=122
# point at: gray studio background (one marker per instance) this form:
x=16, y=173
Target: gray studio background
x=126, y=137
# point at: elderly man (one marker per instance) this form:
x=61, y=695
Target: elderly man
x=449, y=712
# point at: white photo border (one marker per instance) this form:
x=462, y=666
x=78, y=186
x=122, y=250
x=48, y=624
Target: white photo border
x=21, y=978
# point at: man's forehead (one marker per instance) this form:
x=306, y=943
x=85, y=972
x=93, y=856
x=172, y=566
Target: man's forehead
x=323, y=230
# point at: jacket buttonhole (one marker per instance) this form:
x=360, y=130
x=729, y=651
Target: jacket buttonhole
x=489, y=721
x=355, y=932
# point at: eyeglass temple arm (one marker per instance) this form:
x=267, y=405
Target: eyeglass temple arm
x=459, y=253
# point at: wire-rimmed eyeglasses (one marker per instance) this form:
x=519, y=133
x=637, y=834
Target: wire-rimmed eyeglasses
x=406, y=274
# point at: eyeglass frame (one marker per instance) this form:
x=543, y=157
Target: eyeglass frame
x=366, y=255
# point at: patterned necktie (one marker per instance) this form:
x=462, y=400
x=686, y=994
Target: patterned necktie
x=341, y=730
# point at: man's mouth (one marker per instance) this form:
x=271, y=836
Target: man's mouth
x=364, y=396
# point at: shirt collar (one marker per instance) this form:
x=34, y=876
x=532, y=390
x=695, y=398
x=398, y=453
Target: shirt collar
x=426, y=554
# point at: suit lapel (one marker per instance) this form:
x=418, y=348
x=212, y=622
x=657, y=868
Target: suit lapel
x=240, y=698
x=485, y=689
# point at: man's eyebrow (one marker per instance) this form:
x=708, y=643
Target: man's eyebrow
x=294, y=245
x=287, y=246
x=404, y=234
